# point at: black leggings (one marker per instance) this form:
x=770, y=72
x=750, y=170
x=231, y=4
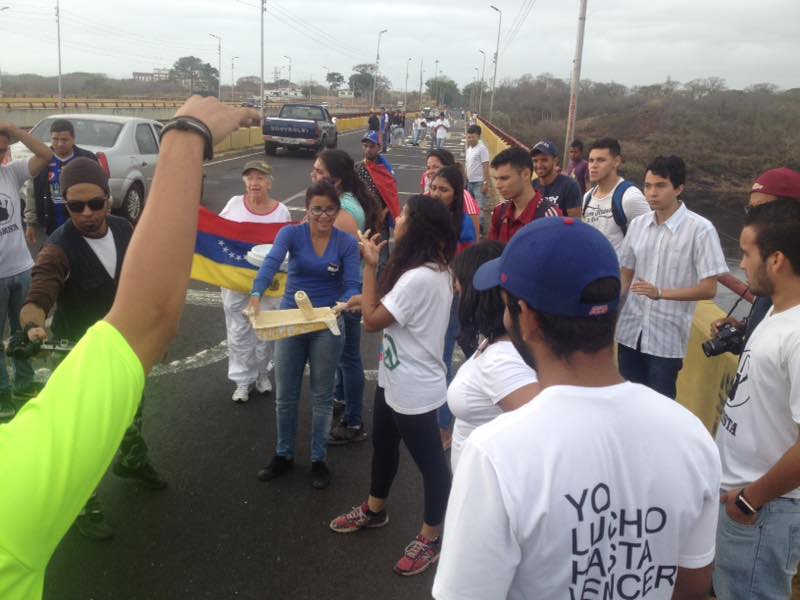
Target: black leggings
x=421, y=436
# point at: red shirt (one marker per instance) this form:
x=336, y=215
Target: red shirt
x=505, y=225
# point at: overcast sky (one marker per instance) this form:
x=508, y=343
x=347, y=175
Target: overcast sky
x=633, y=42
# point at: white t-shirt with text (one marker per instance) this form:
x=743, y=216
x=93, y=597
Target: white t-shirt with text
x=411, y=370
x=15, y=257
x=475, y=157
x=598, y=212
x=581, y=493
x=760, y=421
x=481, y=382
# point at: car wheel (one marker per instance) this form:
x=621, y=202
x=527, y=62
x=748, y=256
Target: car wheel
x=133, y=203
x=323, y=143
x=270, y=148
x=335, y=141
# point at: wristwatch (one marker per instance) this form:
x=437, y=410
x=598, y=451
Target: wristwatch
x=744, y=505
x=195, y=126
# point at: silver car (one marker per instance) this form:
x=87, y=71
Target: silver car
x=127, y=147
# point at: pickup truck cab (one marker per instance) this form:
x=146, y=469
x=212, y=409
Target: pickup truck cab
x=308, y=126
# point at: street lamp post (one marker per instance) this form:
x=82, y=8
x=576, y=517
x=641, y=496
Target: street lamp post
x=58, y=31
x=262, y=10
x=405, y=91
x=483, y=72
x=421, y=71
x=289, y=58
x=327, y=72
x=576, y=76
x=496, y=57
x=219, y=64
x=377, y=69
x=436, y=82
x=233, y=80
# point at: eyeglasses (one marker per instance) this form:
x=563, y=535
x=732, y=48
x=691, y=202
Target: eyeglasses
x=95, y=204
x=329, y=211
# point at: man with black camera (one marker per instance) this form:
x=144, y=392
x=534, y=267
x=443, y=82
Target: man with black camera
x=759, y=432
x=78, y=271
x=729, y=334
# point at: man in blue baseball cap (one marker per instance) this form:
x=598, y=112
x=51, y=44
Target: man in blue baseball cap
x=575, y=492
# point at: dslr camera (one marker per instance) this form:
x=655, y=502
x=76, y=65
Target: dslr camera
x=728, y=339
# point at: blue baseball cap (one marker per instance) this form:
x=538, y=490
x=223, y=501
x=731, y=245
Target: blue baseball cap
x=371, y=136
x=549, y=263
x=545, y=147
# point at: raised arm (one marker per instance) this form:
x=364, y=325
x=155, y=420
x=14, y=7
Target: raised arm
x=42, y=154
x=152, y=288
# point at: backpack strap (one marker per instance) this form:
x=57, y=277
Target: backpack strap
x=616, y=205
x=587, y=198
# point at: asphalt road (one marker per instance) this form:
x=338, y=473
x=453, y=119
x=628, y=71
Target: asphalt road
x=216, y=531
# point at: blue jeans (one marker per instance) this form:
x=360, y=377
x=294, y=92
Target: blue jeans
x=656, y=372
x=757, y=562
x=322, y=350
x=13, y=291
x=476, y=189
x=451, y=335
x=350, y=373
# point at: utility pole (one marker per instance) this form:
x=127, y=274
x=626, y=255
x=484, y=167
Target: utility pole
x=576, y=77
x=58, y=29
x=1, y=74
x=262, y=10
x=420, y=83
x=483, y=72
x=496, y=57
x=405, y=92
x=377, y=69
x=219, y=64
x=233, y=80
x=436, y=82
x=327, y=72
x=473, y=100
x=289, y=58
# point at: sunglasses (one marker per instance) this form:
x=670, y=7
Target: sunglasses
x=95, y=204
x=328, y=210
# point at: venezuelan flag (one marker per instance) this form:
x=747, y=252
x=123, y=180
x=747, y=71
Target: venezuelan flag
x=221, y=249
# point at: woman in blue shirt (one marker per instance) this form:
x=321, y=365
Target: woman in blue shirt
x=360, y=212
x=324, y=263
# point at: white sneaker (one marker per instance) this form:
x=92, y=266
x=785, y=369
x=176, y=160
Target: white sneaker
x=263, y=384
x=242, y=392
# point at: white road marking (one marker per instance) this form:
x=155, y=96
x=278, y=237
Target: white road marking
x=224, y=160
x=203, y=298
x=204, y=358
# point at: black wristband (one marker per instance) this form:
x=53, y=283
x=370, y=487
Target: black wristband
x=193, y=125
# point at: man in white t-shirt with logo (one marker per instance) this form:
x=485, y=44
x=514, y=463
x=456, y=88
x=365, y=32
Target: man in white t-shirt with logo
x=477, y=165
x=612, y=202
x=596, y=488
x=15, y=259
x=759, y=431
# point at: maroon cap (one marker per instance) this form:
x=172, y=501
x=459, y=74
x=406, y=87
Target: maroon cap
x=782, y=182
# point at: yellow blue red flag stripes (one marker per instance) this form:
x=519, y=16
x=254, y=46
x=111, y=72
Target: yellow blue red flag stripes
x=221, y=249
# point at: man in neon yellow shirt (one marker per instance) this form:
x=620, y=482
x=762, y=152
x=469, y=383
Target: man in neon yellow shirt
x=54, y=453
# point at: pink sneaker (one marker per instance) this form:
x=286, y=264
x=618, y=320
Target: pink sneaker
x=420, y=554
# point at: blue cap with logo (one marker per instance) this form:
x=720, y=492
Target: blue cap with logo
x=371, y=136
x=549, y=263
x=545, y=147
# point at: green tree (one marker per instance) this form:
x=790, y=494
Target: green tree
x=198, y=75
x=335, y=80
x=443, y=89
x=361, y=81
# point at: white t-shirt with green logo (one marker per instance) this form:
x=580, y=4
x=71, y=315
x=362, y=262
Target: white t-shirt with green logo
x=411, y=370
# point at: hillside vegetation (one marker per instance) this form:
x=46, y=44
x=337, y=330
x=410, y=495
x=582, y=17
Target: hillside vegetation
x=727, y=137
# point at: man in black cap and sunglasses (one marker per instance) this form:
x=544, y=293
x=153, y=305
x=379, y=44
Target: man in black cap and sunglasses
x=78, y=270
